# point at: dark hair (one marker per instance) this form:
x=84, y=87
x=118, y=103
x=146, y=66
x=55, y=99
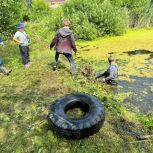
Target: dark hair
x=111, y=59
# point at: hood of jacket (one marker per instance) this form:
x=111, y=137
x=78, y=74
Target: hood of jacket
x=64, y=32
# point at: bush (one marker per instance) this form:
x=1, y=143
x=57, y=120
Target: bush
x=41, y=12
x=93, y=18
x=82, y=28
x=112, y=20
x=146, y=17
x=44, y=20
x=40, y=8
x=10, y=14
x=135, y=8
x=140, y=11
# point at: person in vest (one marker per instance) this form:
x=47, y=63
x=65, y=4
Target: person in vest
x=64, y=44
x=2, y=68
x=111, y=74
x=23, y=40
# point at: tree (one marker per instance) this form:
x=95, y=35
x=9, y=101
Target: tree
x=10, y=14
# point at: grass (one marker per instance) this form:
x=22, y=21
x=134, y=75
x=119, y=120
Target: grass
x=27, y=94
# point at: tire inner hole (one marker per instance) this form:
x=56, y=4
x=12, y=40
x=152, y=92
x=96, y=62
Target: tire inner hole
x=76, y=109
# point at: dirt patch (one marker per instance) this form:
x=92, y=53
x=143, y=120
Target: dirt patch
x=124, y=127
x=88, y=72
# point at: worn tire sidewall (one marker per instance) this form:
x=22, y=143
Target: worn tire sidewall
x=58, y=114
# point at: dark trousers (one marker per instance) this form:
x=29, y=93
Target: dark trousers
x=70, y=59
x=105, y=75
x=102, y=75
x=24, y=50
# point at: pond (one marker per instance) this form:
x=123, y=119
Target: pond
x=135, y=76
x=140, y=88
x=141, y=93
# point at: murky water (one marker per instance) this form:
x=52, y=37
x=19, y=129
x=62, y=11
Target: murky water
x=141, y=94
x=139, y=52
x=140, y=88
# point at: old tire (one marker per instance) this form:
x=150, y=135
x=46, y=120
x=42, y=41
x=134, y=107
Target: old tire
x=73, y=128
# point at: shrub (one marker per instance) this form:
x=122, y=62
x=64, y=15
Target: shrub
x=112, y=20
x=41, y=12
x=146, y=17
x=140, y=11
x=135, y=8
x=39, y=9
x=93, y=18
x=10, y=14
x=82, y=28
x=44, y=20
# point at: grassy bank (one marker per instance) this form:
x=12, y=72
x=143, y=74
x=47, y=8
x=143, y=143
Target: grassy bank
x=27, y=94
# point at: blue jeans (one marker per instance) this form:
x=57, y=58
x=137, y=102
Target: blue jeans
x=70, y=59
x=1, y=62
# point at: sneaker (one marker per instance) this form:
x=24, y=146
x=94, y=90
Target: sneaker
x=29, y=63
x=72, y=72
x=26, y=65
x=8, y=73
x=54, y=67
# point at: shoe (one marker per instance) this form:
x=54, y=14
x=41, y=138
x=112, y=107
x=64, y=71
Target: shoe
x=54, y=67
x=72, y=72
x=8, y=73
x=5, y=71
x=27, y=65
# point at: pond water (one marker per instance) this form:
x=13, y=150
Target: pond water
x=138, y=52
x=134, y=82
x=139, y=87
x=141, y=93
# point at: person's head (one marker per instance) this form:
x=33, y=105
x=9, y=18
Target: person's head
x=66, y=23
x=111, y=59
x=20, y=26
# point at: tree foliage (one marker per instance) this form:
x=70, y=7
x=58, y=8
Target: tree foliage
x=90, y=18
x=93, y=18
x=10, y=14
x=140, y=11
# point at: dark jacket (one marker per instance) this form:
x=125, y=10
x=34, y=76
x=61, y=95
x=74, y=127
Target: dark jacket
x=64, y=41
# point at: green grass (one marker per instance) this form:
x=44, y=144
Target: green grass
x=25, y=95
